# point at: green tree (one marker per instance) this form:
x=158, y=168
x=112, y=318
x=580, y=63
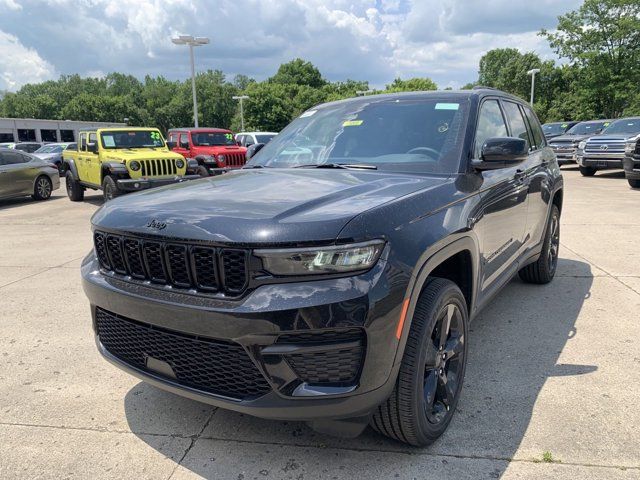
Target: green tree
x=603, y=37
x=298, y=72
x=269, y=108
x=411, y=85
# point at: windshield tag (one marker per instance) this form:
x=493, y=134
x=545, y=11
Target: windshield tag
x=108, y=141
x=447, y=106
x=308, y=113
x=352, y=123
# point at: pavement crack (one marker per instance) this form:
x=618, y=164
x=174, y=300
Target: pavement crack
x=46, y=269
x=194, y=439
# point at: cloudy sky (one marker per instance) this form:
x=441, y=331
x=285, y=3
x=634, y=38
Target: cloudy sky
x=375, y=40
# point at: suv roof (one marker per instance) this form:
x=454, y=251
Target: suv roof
x=199, y=129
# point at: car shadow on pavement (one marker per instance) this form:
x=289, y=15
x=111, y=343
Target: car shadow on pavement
x=20, y=201
x=514, y=348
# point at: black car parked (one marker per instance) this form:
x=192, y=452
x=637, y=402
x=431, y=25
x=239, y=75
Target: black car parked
x=332, y=280
x=555, y=129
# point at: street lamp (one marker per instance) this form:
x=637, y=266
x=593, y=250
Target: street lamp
x=533, y=72
x=192, y=42
x=241, y=98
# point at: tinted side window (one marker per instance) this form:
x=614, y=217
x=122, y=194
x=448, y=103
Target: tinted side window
x=83, y=142
x=248, y=140
x=517, y=123
x=184, y=138
x=538, y=135
x=490, y=124
x=93, y=138
x=12, y=158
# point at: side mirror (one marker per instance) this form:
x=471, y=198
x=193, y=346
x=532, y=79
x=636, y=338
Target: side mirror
x=253, y=149
x=501, y=152
x=184, y=144
x=171, y=144
x=92, y=147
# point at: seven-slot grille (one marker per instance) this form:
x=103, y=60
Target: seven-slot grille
x=158, y=167
x=215, y=366
x=235, y=159
x=206, y=269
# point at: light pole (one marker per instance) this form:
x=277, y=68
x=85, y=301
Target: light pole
x=533, y=72
x=241, y=98
x=192, y=42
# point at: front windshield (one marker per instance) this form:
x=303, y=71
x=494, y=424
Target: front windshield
x=208, y=139
x=418, y=135
x=554, y=128
x=131, y=139
x=49, y=149
x=586, y=128
x=264, y=138
x=626, y=125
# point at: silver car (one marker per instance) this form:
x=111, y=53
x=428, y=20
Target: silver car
x=23, y=174
x=52, y=153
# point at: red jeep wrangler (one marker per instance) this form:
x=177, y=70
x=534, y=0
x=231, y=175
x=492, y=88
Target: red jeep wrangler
x=213, y=149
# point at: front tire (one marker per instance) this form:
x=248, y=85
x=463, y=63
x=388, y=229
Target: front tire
x=544, y=269
x=42, y=188
x=202, y=171
x=75, y=191
x=432, y=370
x=109, y=188
x=587, y=171
x=634, y=182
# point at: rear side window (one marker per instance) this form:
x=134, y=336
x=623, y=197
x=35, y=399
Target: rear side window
x=536, y=128
x=490, y=124
x=184, y=138
x=517, y=123
x=93, y=138
x=83, y=142
x=12, y=158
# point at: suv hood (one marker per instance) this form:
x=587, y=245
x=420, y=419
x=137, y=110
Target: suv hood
x=571, y=138
x=266, y=206
x=121, y=154
x=218, y=149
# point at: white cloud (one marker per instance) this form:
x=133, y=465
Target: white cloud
x=373, y=40
x=20, y=65
x=10, y=4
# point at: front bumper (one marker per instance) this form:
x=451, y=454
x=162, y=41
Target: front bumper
x=601, y=162
x=632, y=167
x=565, y=155
x=258, y=322
x=137, y=184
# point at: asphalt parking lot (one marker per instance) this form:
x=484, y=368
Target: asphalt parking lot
x=552, y=387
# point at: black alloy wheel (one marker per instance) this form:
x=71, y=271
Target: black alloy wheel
x=445, y=357
x=431, y=374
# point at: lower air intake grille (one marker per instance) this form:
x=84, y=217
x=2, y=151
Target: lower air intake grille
x=213, y=366
x=340, y=363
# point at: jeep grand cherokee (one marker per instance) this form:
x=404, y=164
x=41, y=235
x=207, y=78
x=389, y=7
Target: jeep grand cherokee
x=332, y=279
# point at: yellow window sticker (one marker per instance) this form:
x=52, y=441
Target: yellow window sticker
x=352, y=123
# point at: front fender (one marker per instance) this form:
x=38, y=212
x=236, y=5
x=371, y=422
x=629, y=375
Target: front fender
x=70, y=165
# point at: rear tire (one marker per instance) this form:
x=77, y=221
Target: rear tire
x=109, y=188
x=544, y=269
x=202, y=171
x=428, y=384
x=588, y=171
x=75, y=191
x=42, y=188
x=634, y=182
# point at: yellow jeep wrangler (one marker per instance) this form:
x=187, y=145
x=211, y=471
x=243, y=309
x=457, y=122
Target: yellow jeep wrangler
x=120, y=160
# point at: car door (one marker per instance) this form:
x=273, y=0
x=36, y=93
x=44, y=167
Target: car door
x=502, y=214
x=81, y=163
x=94, y=173
x=541, y=160
x=15, y=178
x=183, y=145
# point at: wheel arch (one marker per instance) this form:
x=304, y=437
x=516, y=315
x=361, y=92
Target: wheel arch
x=70, y=165
x=112, y=168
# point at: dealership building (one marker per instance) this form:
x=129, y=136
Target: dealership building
x=35, y=130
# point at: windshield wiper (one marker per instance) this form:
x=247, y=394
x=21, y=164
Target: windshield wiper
x=338, y=165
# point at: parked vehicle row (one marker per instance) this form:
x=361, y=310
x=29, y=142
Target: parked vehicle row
x=28, y=147
x=565, y=146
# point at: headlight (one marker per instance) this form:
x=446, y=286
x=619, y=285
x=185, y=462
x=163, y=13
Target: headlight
x=221, y=158
x=630, y=147
x=180, y=163
x=582, y=144
x=135, y=166
x=333, y=259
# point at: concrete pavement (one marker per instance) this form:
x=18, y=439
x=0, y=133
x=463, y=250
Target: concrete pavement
x=554, y=372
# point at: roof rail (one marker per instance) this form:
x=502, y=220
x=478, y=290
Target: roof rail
x=482, y=87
